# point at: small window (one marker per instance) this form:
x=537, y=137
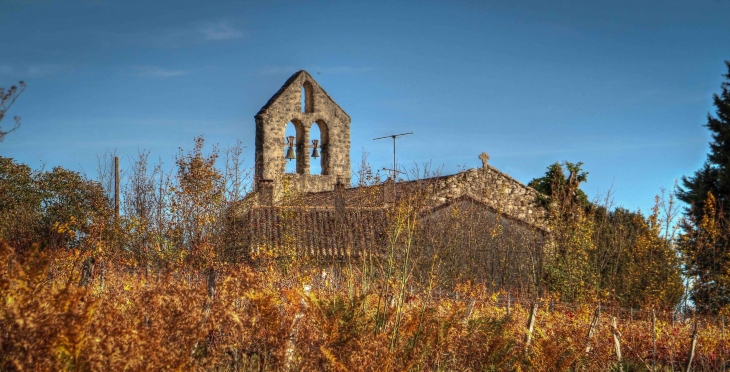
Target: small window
x=307, y=99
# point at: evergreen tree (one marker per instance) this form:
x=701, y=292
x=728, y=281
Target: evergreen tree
x=709, y=190
x=556, y=187
x=714, y=176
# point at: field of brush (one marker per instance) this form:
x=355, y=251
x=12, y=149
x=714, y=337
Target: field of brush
x=165, y=281
x=269, y=317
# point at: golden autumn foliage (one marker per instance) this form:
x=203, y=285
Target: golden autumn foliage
x=160, y=288
x=597, y=252
x=260, y=319
x=705, y=252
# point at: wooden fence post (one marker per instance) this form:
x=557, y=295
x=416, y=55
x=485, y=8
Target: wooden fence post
x=291, y=342
x=531, y=325
x=87, y=270
x=653, y=335
x=211, y=282
x=692, y=347
x=723, y=343
x=592, y=329
x=116, y=187
x=616, y=340
x=469, y=311
x=103, y=275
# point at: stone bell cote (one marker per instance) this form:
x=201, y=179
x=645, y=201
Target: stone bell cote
x=302, y=102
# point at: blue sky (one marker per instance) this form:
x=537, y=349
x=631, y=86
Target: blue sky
x=623, y=86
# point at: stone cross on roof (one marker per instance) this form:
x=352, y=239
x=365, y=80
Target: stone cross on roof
x=485, y=158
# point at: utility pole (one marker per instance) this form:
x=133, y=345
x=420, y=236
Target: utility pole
x=394, y=136
x=116, y=186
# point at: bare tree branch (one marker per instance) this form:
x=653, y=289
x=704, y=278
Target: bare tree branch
x=7, y=98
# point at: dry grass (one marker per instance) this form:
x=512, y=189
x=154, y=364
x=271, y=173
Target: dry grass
x=261, y=319
x=168, y=290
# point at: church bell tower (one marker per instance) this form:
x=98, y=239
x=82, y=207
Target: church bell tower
x=302, y=102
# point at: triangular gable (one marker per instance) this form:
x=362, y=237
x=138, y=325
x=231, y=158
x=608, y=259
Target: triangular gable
x=453, y=201
x=468, y=198
x=295, y=79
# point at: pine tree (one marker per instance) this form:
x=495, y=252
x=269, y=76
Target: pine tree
x=709, y=190
x=714, y=176
x=556, y=187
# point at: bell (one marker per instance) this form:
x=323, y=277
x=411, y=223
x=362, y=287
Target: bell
x=290, y=154
x=315, y=148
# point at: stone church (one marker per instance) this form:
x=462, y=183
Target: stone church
x=323, y=216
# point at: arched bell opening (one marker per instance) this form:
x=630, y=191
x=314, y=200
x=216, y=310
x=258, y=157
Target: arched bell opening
x=323, y=163
x=315, y=139
x=294, y=153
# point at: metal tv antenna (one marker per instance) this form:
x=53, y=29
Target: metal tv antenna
x=393, y=136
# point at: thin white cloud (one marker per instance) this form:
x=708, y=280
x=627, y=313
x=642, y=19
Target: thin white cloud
x=220, y=30
x=179, y=37
x=6, y=70
x=32, y=71
x=45, y=69
x=157, y=72
x=170, y=38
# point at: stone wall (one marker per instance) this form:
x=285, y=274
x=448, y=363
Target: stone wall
x=286, y=106
x=487, y=185
x=495, y=189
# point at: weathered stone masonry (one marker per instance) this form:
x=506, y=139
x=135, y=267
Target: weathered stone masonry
x=487, y=185
x=286, y=106
x=495, y=189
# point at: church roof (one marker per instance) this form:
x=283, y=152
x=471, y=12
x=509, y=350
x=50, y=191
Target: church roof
x=316, y=232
